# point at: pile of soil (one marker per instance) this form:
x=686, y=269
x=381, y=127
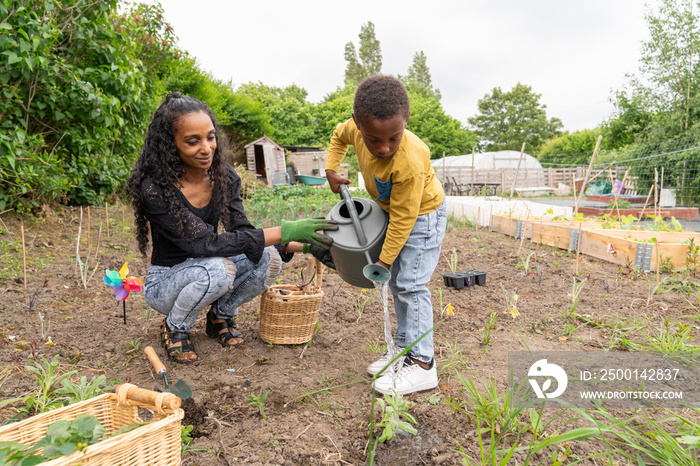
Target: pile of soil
x=317, y=408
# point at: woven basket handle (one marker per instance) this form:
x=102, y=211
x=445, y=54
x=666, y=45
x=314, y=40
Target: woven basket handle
x=128, y=392
x=319, y=272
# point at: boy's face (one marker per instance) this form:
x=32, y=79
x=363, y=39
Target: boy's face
x=382, y=137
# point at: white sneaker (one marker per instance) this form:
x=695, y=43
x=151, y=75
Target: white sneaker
x=380, y=364
x=410, y=378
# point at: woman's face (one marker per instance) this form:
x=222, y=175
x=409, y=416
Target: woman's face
x=195, y=139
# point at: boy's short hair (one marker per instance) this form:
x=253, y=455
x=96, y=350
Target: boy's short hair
x=381, y=97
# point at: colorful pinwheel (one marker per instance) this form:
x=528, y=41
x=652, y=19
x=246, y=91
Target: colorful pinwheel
x=122, y=284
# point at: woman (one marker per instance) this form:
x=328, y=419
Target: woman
x=182, y=187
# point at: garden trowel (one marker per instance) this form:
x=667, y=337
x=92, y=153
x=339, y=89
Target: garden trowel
x=180, y=389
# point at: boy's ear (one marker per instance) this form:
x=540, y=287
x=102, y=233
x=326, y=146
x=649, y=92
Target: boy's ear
x=357, y=123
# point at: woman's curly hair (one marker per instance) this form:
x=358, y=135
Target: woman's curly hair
x=381, y=97
x=160, y=161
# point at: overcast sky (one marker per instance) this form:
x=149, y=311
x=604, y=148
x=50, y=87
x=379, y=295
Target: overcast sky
x=573, y=53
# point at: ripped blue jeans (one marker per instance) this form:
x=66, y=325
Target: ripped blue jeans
x=182, y=291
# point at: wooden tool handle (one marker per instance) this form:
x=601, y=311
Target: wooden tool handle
x=154, y=359
x=149, y=397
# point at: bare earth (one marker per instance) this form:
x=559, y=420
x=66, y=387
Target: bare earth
x=305, y=424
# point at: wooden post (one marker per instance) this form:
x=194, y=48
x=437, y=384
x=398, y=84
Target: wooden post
x=656, y=191
x=444, y=176
x=644, y=208
x=473, y=149
x=503, y=183
x=588, y=173
x=24, y=255
x=661, y=188
x=88, y=229
x=578, y=246
x=517, y=170
x=107, y=216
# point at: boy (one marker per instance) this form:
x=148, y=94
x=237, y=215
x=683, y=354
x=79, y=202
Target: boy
x=395, y=165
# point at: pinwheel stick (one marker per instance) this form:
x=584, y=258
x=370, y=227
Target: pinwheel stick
x=124, y=307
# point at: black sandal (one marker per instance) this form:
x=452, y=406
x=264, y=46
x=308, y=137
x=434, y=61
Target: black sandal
x=214, y=330
x=168, y=339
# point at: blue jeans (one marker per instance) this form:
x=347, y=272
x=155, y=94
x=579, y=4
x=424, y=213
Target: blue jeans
x=410, y=274
x=182, y=291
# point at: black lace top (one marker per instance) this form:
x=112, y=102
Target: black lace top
x=200, y=238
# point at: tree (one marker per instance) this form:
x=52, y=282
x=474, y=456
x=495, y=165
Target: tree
x=418, y=79
x=507, y=119
x=574, y=148
x=290, y=114
x=439, y=131
x=670, y=60
x=79, y=83
x=370, y=58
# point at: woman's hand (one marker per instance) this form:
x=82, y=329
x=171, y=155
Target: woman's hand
x=335, y=180
x=305, y=230
x=322, y=255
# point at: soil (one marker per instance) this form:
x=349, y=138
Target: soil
x=319, y=397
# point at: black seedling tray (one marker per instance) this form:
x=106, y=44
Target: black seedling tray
x=459, y=280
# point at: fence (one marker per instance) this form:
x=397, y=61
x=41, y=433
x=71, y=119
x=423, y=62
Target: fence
x=668, y=173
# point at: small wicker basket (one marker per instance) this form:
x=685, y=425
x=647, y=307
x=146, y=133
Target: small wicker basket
x=288, y=314
x=156, y=443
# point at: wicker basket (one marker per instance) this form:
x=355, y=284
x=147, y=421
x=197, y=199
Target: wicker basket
x=156, y=443
x=288, y=315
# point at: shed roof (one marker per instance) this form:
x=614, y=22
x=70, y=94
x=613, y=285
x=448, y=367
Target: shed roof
x=263, y=139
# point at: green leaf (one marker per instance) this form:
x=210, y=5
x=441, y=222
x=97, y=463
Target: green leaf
x=12, y=58
x=67, y=448
x=689, y=440
x=58, y=430
x=5, y=26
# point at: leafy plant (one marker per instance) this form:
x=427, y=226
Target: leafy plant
x=692, y=257
x=62, y=438
x=394, y=418
x=449, y=308
x=525, y=263
x=45, y=397
x=511, y=302
x=82, y=391
x=453, y=261
x=576, y=289
x=360, y=302
x=258, y=402
x=489, y=328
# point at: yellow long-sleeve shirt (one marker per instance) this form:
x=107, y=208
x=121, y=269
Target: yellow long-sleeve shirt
x=407, y=181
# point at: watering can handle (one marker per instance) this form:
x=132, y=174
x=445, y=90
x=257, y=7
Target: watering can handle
x=345, y=194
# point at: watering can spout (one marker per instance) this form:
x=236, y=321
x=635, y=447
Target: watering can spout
x=376, y=273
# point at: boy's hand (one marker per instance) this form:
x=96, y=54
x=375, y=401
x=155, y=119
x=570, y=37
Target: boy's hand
x=305, y=230
x=335, y=180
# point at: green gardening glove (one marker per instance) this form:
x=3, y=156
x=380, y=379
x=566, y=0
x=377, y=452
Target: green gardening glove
x=305, y=230
x=322, y=255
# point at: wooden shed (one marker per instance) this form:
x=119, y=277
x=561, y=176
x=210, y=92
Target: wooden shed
x=265, y=157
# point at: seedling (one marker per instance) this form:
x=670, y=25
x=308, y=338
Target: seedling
x=444, y=308
x=453, y=261
x=45, y=397
x=525, y=263
x=258, y=402
x=511, y=302
x=489, y=328
x=360, y=303
x=395, y=417
x=575, y=292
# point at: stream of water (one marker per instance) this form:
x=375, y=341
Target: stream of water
x=383, y=292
